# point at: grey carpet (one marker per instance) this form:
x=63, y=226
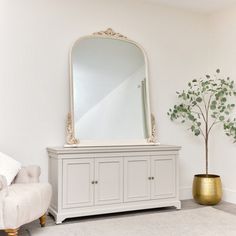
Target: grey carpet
x=205, y=221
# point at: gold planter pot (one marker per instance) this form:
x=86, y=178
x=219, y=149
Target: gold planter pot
x=207, y=189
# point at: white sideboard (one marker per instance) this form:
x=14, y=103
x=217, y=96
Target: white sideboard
x=105, y=179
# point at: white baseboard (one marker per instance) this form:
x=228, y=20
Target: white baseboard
x=229, y=195
x=185, y=193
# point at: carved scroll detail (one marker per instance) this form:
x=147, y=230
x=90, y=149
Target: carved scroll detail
x=110, y=33
x=153, y=138
x=70, y=139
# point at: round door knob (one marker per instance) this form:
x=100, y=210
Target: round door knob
x=96, y=182
x=152, y=178
x=149, y=178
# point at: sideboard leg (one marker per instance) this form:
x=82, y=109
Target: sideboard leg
x=178, y=205
x=58, y=220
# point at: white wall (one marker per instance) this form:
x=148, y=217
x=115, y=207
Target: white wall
x=34, y=92
x=222, y=26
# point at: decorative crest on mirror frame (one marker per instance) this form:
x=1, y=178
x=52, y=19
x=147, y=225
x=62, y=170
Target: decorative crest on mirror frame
x=70, y=138
x=110, y=33
x=153, y=138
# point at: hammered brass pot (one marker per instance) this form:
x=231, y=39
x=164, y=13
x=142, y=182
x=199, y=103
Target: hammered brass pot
x=207, y=189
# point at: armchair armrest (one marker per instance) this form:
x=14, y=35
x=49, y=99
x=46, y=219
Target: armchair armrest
x=29, y=174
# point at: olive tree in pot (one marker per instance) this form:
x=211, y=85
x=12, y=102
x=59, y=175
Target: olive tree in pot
x=204, y=104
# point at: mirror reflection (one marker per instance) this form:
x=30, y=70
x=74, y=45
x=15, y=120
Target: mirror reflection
x=109, y=90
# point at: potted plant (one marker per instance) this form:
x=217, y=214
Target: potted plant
x=206, y=103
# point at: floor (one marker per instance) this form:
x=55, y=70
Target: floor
x=186, y=204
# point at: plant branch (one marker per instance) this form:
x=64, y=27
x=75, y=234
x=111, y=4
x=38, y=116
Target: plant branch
x=204, y=118
x=204, y=136
x=209, y=102
x=213, y=124
x=203, y=99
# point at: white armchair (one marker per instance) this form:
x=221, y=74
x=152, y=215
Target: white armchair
x=25, y=200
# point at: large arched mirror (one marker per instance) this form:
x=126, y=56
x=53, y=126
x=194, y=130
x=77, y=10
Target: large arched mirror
x=108, y=91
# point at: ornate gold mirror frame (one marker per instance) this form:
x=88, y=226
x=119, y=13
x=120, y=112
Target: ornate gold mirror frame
x=71, y=140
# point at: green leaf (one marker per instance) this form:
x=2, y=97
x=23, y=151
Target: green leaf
x=212, y=107
x=199, y=99
x=191, y=117
x=218, y=71
x=223, y=99
x=198, y=124
x=197, y=132
x=208, y=76
x=221, y=118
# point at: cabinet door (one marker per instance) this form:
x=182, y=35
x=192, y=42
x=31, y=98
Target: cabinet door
x=136, y=178
x=163, y=172
x=108, y=180
x=77, y=183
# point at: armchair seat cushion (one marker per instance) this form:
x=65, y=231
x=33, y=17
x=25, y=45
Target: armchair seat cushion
x=25, y=203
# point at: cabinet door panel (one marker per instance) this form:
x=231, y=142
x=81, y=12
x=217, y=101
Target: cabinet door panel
x=163, y=171
x=136, y=182
x=109, y=177
x=77, y=183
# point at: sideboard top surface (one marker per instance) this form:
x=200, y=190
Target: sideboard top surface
x=112, y=148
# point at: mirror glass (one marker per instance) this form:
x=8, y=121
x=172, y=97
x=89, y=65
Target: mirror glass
x=109, y=90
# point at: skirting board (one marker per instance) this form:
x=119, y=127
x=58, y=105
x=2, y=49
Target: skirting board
x=229, y=195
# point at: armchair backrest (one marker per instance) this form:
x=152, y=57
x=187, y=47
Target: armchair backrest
x=28, y=174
